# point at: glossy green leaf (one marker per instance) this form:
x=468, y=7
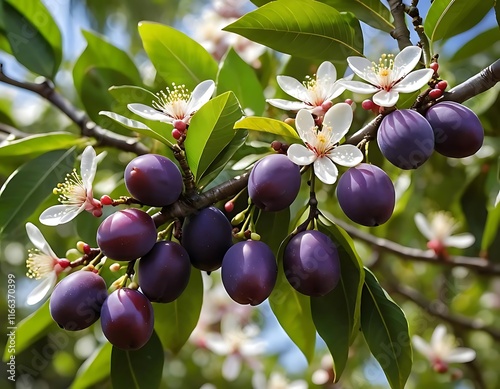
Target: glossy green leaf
x=138, y=369
x=491, y=228
x=238, y=76
x=176, y=57
x=32, y=328
x=95, y=369
x=271, y=227
x=210, y=131
x=337, y=314
x=136, y=126
x=29, y=185
x=269, y=125
x=34, y=38
x=175, y=321
x=385, y=329
x=38, y=144
x=372, y=12
x=317, y=30
x=478, y=44
x=447, y=18
x=293, y=310
x=223, y=158
x=127, y=94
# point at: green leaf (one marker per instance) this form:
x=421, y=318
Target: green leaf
x=447, y=18
x=138, y=369
x=210, y=131
x=271, y=126
x=337, y=314
x=238, y=76
x=32, y=328
x=478, y=44
x=491, y=228
x=34, y=145
x=127, y=94
x=223, y=158
x=497, y=12
x=29, y=185
x=95, y=369
x=175, y=321
x=136, y=126
x=317, y=30
x=385, y=329
x=33, y=36
x=176, y=57
x=293, y=310
x=372, y=12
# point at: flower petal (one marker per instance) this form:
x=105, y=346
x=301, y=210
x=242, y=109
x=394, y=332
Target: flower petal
x=325, y=170
x=60, y=214
x=304, y=123
x=252, y=347
x=359, y=87
x=88, y=166
x=36, y=237
x=386, y=99
x=414, y=81
x=360, y=66
x=287, y=105
x=422, y=346
x=201, y=94
x=42, y=289
x=231, y=367
x=407, y=59
x=346, y=155
x=149, y=113
x=293, y=87
x=460, y=355
x=336, y=89
x=339, y=118
x=326, y=74
x=460, y=241
x=423, y=226
x=300, y=155
x=438, y=336
x=216, y=343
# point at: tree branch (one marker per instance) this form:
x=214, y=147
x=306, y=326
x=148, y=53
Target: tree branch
x=439, y=309
x=9, y=130
x=400, y=32
x=87, y=126
x=479, y=83
x=479, y=265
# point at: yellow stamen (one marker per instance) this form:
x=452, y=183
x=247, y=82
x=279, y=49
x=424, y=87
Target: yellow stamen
x=39, y=264
x=178, y=93
x=71, y=191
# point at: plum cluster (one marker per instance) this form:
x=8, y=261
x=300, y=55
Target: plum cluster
x=407, y=139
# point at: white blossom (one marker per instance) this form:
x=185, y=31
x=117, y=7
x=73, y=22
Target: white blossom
x=75, y=193
x=389, y=77
x=43, y=264
x=441, y=350
x=321, y=144
x=314, y=94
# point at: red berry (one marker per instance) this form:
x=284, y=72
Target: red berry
x=86, y=248
x=176, y=134
x=326, y=105
x=442, y=85
x=229, y=206
x=180, y=125
x=276, y=145
x=367, y=104
x=434, y=66
x=349, y=101
x=106, y=200
x=435, y=93
x=97, y=212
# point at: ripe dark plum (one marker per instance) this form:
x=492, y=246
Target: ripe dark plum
x=366, y=195
x=164, y=272
x=76, y=301
x=458, y=131
x=249, y=272
x=405, y=138
x=153, y=180
x=126, y=235
x=206, y=236
x=311, y=263
x=274, y=182
x=127, y=319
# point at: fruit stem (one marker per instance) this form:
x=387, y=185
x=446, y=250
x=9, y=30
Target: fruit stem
x=187, y=174
x=166, y=234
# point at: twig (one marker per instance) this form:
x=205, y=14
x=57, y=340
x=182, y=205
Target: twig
x=87, y=126
x=480, y=265
x=400, y=32
x=9, y=130
x=439, y=309
x=417, y=22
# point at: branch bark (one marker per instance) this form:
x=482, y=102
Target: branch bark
x=400, y=32
x=87, y=126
